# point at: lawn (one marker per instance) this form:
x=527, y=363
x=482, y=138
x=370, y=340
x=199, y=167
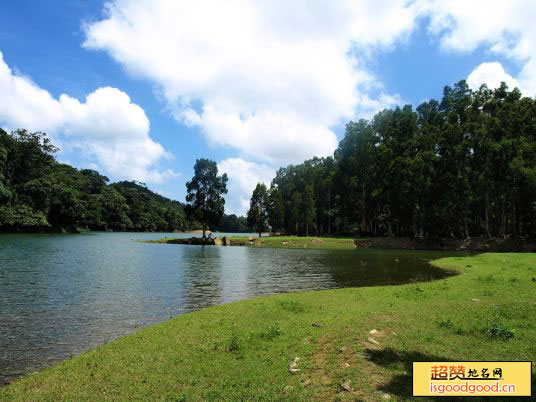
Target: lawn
x=295, y=242
x=276, y=242
x=243, y=350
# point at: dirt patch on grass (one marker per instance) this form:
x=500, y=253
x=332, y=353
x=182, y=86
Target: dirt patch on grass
x=343, y=359
x=321, y=374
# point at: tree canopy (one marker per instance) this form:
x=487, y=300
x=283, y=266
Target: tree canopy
x=459, y=167
x=39, y=194
x=463, y=166
x=205, y=194
x=257, y=215
x=232, y=224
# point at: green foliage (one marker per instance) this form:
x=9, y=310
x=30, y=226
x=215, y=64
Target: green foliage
x=464, y=166
x=22, y=216
x=205, y=194
x=233, y=224
x=308, y=211
x=276, y=210
x=295, y=209
x=39, y=194
x=257, y=215
x=147, y=210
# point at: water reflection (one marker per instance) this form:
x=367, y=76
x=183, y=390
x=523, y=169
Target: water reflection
x=203, y=285
x=63, y=294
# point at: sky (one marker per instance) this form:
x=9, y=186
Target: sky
x=140, y=89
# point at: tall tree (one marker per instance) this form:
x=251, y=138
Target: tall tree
x=205, y=194
x=462, y=166
x=308, y=210
x=258, y=209
x=294, y=215
x=276, y=210
x=355, y=156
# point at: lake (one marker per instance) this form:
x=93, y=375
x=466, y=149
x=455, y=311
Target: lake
x=63, y=294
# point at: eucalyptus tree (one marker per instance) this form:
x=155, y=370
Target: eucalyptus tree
x=308, y=211
x=462, y=166
x=276, y=210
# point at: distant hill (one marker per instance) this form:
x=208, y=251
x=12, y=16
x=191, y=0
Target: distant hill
x=39, y=194
x=149, y=211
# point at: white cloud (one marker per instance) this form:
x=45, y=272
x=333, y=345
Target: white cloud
x=107, y=127
x=269, y=79
x=243, y=177
x=273, y=137
x=491, y=74
x=502, y=27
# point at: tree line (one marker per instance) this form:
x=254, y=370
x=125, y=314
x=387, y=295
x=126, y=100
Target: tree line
x=463, y=166
x=39, y=194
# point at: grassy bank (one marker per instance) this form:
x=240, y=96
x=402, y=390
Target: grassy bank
x=398, y=243
x=273, y=242
x=243, y=350
x=296, y=242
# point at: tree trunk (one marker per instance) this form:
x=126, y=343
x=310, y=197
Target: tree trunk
x=515, y=230
x=503, y=218
x=204, y=235
x=329, y=211
x=486, y=214
x=414, y=221
x=423, y=231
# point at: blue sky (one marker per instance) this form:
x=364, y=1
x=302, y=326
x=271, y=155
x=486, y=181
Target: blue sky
x=253, y=87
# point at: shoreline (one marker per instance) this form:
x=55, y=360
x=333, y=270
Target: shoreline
x=251, y=342
x=469, y=245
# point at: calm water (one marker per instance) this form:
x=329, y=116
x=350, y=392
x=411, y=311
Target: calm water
x=63, y=294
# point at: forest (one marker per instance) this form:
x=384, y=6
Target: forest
x=39, y=194
x=460, y=167
x=463, y=166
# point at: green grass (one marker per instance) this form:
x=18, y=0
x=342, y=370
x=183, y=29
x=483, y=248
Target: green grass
x=242, y=350
x=297, y=242
x=277, y=242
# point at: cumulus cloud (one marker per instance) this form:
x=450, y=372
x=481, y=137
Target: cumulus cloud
x=502, y=27
x=491, y=74
x=107, y=127
x=269, y=79
x=243, y=177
